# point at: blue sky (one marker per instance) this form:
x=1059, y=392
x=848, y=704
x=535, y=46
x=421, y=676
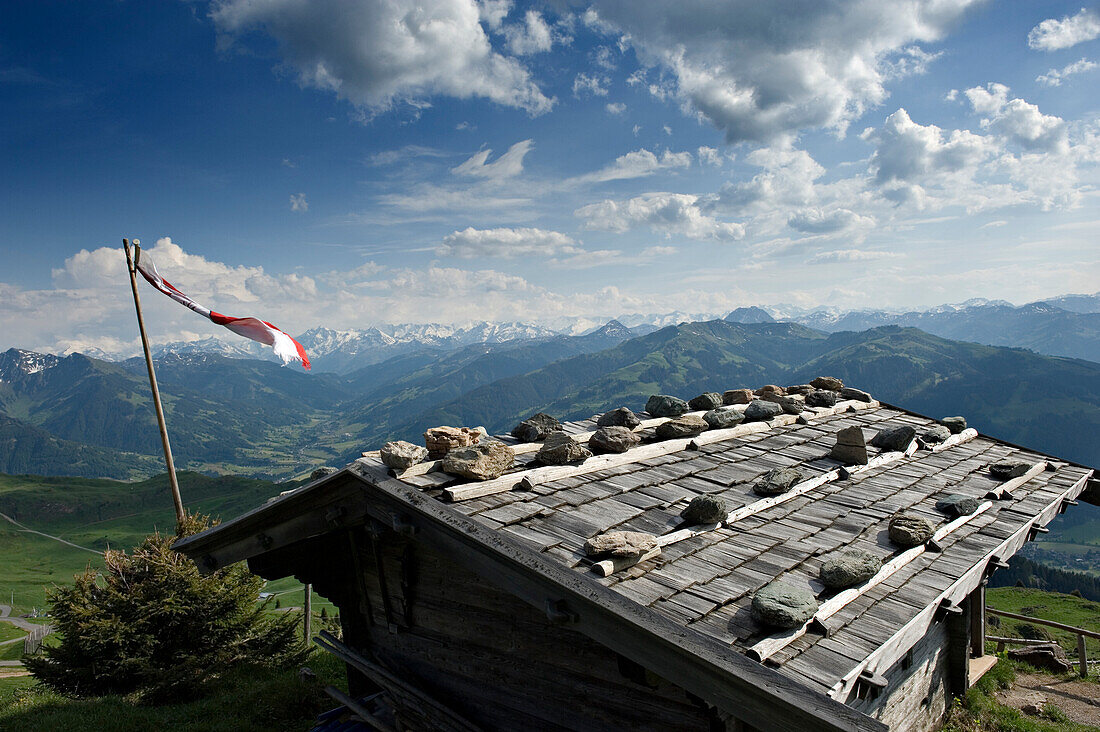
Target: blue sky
x=356, y=163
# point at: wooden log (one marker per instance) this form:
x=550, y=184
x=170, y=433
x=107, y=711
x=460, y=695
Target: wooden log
x=1001, y=640
x=965, y=436
x=1048, y=623
x=359, y=709
x=898, y=644
x=1004, y=490
x=770, y=646
x=607, y=567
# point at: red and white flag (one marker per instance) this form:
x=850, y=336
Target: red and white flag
x=286, y=348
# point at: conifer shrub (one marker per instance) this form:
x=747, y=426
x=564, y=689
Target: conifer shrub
x=150, y=623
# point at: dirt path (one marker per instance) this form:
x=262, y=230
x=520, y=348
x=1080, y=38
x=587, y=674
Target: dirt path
x=6, y=617
x=55, y=538
x=1080, y=700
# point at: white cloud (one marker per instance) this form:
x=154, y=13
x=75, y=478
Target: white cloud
x=820, y=221
x=761, y=73
x=786, y=181
x=1054, y=77
x=533, y=36
x=851, y=255
x=615, y=108
x=493, y=12
x=1018, y=120
x=589, y=84
x=508, y=165
x=909, y=152
x=636, y=164
x=506, y=243
x=1053, y=35
x=377, y=53
x=402, y=154
x=298, y=203
x=673, y=214
x=709, y=155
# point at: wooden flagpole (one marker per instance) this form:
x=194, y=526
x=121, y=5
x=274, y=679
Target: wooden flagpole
x=131, y=266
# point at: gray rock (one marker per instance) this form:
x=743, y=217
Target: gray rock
x=536, y=428
x=1008, y=469
x=935, y=434
x=802, y=389
x=561, y=449
x=781, y=605
x=663, y=405
x=1050, y=657
x=955, y=424
x=827, y=382
x=776, y=481
x=401, y=455
x=737, y=396
x=761, y=411
x=612, y=439
x=482, y=461
x=705, y=509
x=848, y=392
x=706, y=401
x=956, y=505
x=789, y=404
x=621, y=417
x=851, y=446
x=620, y=544
x=770, y=389
x=849, y=567
x=908, y=529
x=687, y=426
x=894, y=439
x=822, y=398
x=323, y=471
x=720, y=419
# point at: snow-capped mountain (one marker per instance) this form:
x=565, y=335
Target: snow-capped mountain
x=16, y=364
x=213, y=346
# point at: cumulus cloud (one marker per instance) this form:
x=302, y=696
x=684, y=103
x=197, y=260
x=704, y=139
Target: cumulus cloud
x=820, y=221
x=673, y=214
x=506, y=166
x=506, y=243
x=1054, y=77
x=380, y=52
x=761, y=73
x=1054, y=35
x=909, y=152
x=298, y=203
x=1018, y=120
x=636, y=164
x=787, y=179
x=534, y=35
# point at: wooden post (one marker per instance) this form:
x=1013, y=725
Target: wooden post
x=308, y=607
x=131, y=266
x=1081, y=659
x=977, y=622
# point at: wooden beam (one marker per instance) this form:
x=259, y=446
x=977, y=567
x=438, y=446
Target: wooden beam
x=1004, y=490
x=965, y=436
x=882, y=658
x=1048, y=623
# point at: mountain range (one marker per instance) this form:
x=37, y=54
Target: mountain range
x=84, y=416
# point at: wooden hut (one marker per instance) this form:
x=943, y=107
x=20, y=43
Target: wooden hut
x=473, y=604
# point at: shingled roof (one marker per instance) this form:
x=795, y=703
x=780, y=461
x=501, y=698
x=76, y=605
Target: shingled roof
x=530, y=526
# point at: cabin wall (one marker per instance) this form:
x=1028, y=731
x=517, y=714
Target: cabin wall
x=916, y=697
x=493, y=658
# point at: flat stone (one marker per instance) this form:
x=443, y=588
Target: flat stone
x=799, y=389
x=401, y=455
x=908, y=529
x=612, y=440
x=956, y=505
x=781, y=605
x=770, y=389
x=776, y=481
x=935, y=434
x=955, y=424
x=439, y=440
x=851, y=446
x=761, y=411
x=827, y=382
x=706, y=401
x=849, y=567
x=663, y=405
x=536, y=428
x=705, y=509
x=720, y=419
x=737, y=396
x=1048, y=656
x=321, y=472
x=621, y=417
x=1009, y=469
x=848, y=392
x=789, y=404
x=561, y=449
x=620, y=544
x=687, y=426
x=481, y=461
x=822, y=398
x=894, y=439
